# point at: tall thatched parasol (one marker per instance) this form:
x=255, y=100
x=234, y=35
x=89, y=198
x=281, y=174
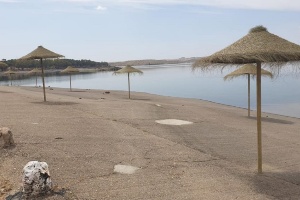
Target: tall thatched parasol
x=41, y=53
x=35, y=71
x=257, y=46
x=128, y=70
x=247, y=70
x=70, y=70
x=10, y=72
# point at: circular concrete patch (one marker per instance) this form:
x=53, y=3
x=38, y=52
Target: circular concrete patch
x=125, y=169
x=176, y=122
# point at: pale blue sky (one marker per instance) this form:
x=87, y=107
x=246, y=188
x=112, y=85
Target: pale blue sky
x=117, y=30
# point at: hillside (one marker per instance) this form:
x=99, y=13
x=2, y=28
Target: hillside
x=154, y=62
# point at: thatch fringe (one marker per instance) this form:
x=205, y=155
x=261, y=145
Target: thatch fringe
x=275, y=68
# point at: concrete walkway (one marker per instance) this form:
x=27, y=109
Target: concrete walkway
x=84, y=134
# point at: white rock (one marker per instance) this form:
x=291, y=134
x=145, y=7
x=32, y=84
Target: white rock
x=176, y=122
x=125, y=169
x=36, y=179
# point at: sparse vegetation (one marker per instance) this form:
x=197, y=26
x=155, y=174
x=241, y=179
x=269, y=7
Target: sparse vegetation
x=55, y=64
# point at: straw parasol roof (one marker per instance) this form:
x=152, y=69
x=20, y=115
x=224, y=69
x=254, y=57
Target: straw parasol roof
x=258, y=46
x=35, y=70
x=70, y=69
x=2, y=64
x=41, y=53
x=245, y=70
x=10, y=72
x=128, y=70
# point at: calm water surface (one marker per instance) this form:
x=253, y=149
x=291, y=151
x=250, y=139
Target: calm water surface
x=280, y=95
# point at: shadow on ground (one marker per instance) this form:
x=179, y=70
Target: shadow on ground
x=5, y=92
x=77, y=91
x=63, y=194
x=278, y=185
x=272, y=120
x=56, y=103
x=140, y=99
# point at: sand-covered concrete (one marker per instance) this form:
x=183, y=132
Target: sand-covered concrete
x=84, y=134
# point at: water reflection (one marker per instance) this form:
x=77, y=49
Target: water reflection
x=280, y=95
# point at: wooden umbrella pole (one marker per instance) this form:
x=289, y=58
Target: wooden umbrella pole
x=10, y=79
x=129, y=85
x=248, y=95
x=43, y=79
x=70, y=83
x=258, y=116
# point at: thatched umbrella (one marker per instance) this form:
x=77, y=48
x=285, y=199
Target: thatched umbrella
x=10, y=72
x=258, y=46
x=70, y=70
x=247, y=70
x=35, y=71
x=41, y=53
x=128, y=70
x=3, y=65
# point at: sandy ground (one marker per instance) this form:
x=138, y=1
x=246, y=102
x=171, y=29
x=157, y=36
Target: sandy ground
x=83, y=134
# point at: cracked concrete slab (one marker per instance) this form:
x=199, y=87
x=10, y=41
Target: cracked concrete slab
x=214, y=159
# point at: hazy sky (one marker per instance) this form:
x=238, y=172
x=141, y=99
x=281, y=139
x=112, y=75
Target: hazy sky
x=117, y=30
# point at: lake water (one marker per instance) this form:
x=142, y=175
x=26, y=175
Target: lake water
x=280, y=95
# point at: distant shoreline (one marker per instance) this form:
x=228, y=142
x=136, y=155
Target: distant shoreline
x=154, y=62
x=23, y=74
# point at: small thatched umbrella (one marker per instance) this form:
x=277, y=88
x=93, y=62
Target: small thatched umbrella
x=10, y=72
x=257, y=46
x=41, y=53
x=70, y=70
x=247, y=70
x=128, y=70
x=35, y=71
x=3, y=66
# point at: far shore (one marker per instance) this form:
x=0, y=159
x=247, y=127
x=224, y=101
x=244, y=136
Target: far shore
x=84, y=134
x=81, y=70
x=21, y=74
